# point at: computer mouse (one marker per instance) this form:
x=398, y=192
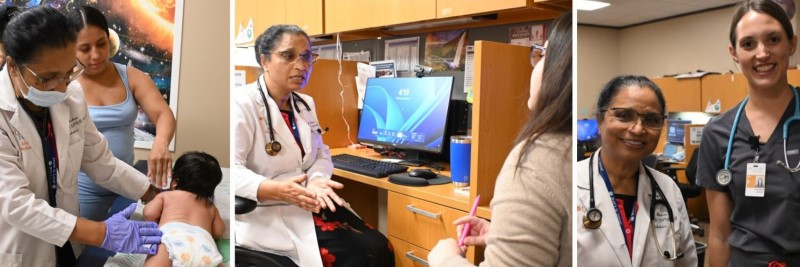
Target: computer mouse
x=423, y=173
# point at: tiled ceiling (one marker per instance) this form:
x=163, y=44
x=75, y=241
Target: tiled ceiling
x=624, y=13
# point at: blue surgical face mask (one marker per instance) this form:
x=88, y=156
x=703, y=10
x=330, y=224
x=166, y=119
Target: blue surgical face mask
x=42, y=98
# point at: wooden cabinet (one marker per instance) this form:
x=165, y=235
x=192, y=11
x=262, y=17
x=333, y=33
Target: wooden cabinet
x=245, y=10
x=268, y=13
x=794, y=77
x=408, y=255
x=502, y=73
x=307, y=14
x=681, y=95
x=452, y=8
x=420, y=224
x=729, y=89
x=391, y=12
x=348, y=15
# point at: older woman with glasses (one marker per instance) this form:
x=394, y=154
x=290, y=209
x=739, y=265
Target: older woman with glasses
x=629, y=214
x=47, y=137
x=281, y=162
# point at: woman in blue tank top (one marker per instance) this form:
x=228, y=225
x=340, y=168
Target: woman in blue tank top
x=113, y=92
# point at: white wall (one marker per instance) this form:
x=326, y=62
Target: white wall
x=598, y=61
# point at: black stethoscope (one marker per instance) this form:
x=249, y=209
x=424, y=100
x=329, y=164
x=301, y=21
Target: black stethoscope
x=593, y=218
x=724, y=176
x=273, y=146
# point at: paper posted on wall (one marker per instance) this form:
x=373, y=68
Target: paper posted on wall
x=364, y=72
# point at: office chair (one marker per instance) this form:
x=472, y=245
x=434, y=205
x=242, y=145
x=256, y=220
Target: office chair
x=251, y=258
x=690, y=190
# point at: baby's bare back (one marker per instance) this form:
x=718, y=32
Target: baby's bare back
x=183, y=206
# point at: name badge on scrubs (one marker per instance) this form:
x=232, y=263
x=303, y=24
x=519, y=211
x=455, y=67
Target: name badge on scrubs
x=756, y=180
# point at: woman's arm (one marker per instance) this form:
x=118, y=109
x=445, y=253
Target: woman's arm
x=152, y=103
x=719, y=209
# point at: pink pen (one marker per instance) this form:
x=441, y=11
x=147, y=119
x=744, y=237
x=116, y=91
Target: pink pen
x=467, y=227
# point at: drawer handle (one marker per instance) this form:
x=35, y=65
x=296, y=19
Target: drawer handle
x=413, y=257
x=423, y=212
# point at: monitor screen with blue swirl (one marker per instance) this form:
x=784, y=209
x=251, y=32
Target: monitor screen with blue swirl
x=407, y=113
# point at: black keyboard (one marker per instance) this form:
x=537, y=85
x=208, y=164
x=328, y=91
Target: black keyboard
x=365, y=166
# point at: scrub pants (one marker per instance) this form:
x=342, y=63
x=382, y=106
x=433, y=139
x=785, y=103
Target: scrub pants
x=742, y=258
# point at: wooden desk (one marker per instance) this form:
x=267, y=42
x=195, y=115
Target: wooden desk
x=408, y=231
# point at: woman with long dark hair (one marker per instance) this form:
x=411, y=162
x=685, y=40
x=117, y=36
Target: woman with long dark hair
x=532, y=204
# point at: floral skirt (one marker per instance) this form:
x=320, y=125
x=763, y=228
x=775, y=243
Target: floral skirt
x=346, y=240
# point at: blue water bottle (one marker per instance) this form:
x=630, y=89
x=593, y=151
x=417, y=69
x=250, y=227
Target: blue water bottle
x=460, y=150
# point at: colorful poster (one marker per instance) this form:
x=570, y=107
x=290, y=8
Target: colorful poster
x=446, y=50
x=149, y=34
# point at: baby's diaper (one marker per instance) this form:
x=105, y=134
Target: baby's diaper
x=189, y=245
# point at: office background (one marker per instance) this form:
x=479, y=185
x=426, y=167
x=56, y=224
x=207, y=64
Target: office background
x=678, y=45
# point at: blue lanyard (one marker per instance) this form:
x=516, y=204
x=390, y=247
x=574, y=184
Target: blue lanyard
x=632, y=217
x=50, y=160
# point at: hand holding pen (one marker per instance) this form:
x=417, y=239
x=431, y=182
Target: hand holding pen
x=472, y=230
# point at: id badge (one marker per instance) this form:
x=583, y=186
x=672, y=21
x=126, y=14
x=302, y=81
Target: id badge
x=756, y=180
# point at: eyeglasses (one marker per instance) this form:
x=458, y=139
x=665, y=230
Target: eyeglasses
x=72, y=75
x=291, y=56
x=650, y=120
x=537, y=53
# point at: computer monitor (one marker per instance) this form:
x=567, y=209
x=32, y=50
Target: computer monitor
x=406, y=113
x=587, y=130
x=675, y=131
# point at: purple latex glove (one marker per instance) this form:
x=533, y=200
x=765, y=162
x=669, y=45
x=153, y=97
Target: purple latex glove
x=124, y=235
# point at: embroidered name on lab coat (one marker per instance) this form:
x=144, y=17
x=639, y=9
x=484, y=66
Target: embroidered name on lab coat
x=73, y=123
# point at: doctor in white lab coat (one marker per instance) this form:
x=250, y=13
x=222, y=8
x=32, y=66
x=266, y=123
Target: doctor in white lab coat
x=292, y=185
x=31, y=224
x=606, y=245
x=276, y=226
x=630, y=117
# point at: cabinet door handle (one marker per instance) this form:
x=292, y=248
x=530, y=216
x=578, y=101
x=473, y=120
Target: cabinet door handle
x=423, y=212
x=413, y=257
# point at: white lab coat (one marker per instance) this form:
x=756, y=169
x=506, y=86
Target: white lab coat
x=605, y=246
x=276, y=227
x=29, y=227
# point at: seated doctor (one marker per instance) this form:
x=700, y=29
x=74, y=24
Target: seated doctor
x=629, y=214
x=281, y=162
x=533, y=192
x=47, y=137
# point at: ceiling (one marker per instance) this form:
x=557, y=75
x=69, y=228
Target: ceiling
x=625, y=13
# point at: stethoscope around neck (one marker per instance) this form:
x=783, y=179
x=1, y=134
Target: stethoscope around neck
x=724, y=175
x=593, y=217
x=273, y=146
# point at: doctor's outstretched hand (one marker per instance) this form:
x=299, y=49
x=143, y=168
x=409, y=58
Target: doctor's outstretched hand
x=127, y=236
x=292, y=191
x=324, y=189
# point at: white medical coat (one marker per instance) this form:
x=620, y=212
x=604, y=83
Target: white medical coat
x=29, y=227
x=605, y=246
x=275, y=226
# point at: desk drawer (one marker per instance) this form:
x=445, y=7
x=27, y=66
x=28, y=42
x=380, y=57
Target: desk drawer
x=420, y=222
x=408, y=255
